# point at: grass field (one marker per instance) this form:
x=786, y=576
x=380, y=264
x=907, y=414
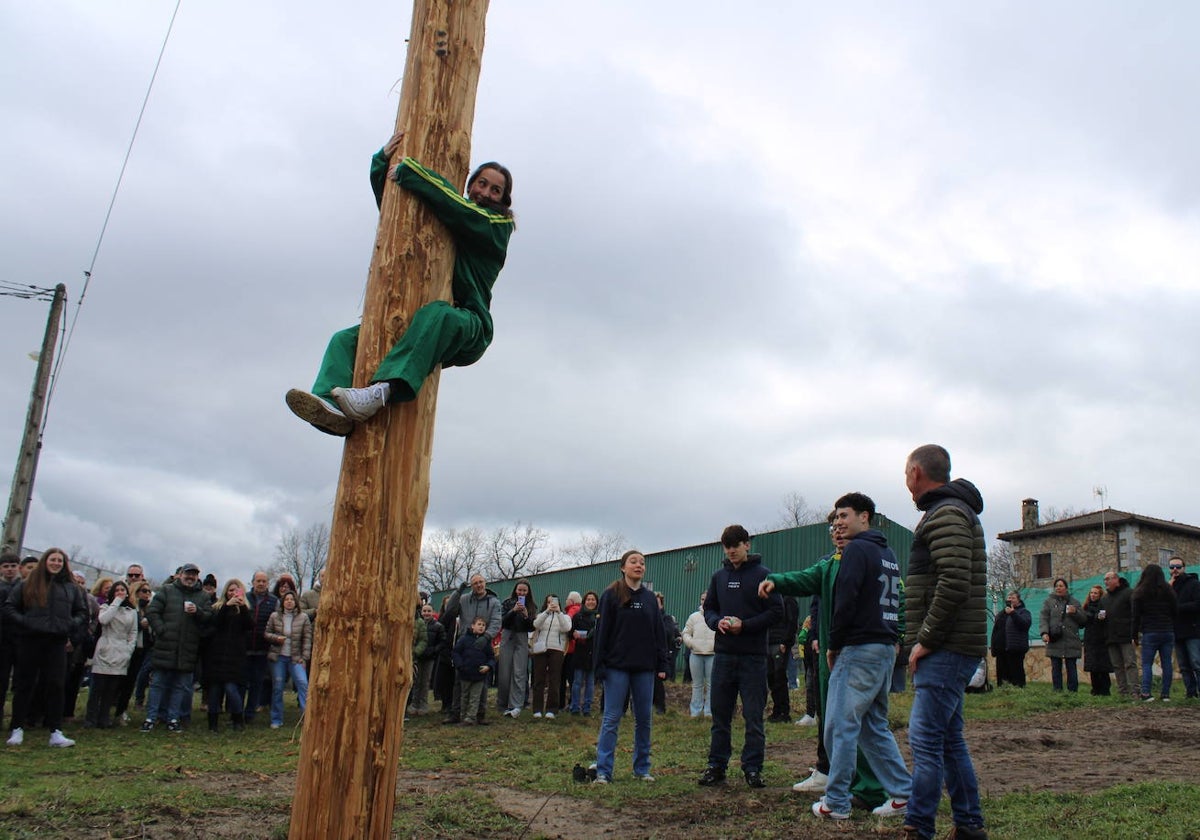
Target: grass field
x=508, y=779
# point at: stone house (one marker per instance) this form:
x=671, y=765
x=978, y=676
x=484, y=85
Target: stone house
x=1081, y=549
x=1091, y=544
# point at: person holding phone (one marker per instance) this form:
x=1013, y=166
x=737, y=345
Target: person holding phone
x=114, y=649
x=225, y=660
x=512, y=670
x=553, y=628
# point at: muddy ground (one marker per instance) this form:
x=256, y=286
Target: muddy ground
x=1047, y=752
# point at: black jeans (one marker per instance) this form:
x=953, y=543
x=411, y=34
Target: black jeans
x=735, y=675
x=44, y=657
x=777, y=679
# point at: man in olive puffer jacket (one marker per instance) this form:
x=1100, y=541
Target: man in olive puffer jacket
x=946, y=629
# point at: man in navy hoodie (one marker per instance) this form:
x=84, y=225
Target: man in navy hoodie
x=741, y=620
x=863, y=639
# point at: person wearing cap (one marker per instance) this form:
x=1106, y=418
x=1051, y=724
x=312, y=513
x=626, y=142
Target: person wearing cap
x=27, y=566
x=177, y=614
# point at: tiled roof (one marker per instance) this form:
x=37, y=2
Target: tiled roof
x=1109, y=517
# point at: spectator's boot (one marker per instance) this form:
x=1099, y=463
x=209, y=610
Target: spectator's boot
x=213, y=718
x=239, y=722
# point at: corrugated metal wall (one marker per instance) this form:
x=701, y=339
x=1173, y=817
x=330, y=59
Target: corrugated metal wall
x=681, y=574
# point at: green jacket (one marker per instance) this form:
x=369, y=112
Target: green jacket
x=818, y=579
x=480, y=235
x=177, y=633
x=946, y=589
x=420, y=638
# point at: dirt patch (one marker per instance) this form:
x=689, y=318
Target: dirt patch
x=1086, y=750
x=1069, y=751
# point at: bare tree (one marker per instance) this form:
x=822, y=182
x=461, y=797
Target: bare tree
x=1055, y=514
x=592, y=548
x=797, y=512
x=302, y=554
x=448, y=556
x=515, y=551
x=1005, y=573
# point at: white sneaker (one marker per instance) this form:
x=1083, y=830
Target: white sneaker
x=645, y=777
x=17, y=738
x=361, y=403
x=549, y=715
x=813, y=784
x=57, y=739
x=807, y=720
x=824, y=812
x=513, y=713
x=892, y=808
x=318, y=412
x=537, y=715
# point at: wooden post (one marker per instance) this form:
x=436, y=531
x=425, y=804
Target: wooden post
x=362, y=660
x=21, y=496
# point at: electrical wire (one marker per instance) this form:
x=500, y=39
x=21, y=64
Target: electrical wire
x=65, y=342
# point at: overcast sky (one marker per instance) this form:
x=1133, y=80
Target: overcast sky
x=758, y=253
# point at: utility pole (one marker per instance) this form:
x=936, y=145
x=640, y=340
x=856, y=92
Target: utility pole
x=31, y=441
x=362, y=658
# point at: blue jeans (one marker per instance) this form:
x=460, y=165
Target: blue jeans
x=256, y=674
x=170, y=692
x=1056, y=672
x=935, y=736
x=583, y=687
x=1161, y=643
x=617, y=686
x=1187, y=653
x=280, y=668
x=737, y=674
x=856, y=717
x=701, y=666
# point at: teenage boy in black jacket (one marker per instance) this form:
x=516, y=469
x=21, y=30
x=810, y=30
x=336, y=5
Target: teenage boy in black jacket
x=741, y=620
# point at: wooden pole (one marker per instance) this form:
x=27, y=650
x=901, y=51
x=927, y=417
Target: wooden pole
x=362, y=659
x=21, y=495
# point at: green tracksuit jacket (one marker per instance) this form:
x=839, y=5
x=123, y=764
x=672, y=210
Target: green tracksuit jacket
x=440, y=333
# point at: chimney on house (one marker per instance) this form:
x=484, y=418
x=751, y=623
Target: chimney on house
x=1029, y=514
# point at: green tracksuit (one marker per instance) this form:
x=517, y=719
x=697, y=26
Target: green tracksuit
x=440, y=333
x=818, y=579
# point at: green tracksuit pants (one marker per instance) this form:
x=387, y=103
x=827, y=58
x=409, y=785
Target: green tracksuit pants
x=440, y=334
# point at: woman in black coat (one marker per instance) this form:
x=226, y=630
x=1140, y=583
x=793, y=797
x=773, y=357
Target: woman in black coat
x=226, y=654
x=1095, y=648
x=48, y=608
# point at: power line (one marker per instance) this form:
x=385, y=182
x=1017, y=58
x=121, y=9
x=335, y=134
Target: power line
x=87, y=275
x=28, y=292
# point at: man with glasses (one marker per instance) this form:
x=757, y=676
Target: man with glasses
x=134, y=576
x=1187, y=625
x=1116, y=613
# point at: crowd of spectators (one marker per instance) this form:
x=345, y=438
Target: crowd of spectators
x=138, y=647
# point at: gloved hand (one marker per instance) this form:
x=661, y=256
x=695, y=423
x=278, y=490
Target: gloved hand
x=483, y=642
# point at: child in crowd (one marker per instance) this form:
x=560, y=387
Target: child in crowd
x=473, y=664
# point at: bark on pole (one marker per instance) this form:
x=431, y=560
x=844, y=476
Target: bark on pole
x=362, y=667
